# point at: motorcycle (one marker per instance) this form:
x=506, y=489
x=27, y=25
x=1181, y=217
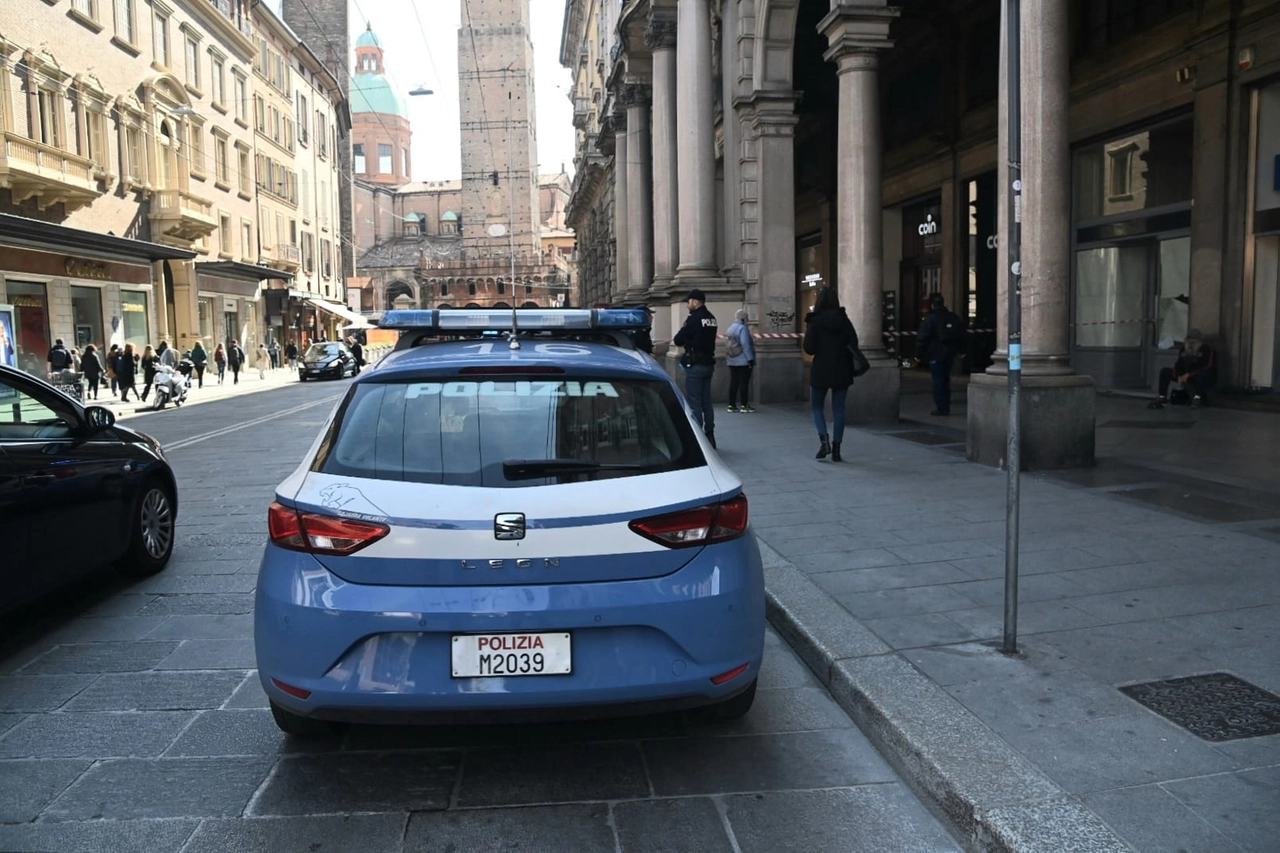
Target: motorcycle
x=170, y=387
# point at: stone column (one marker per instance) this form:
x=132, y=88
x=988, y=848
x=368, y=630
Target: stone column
x=856, y=35
x=695, y=131
x=779, y=372
x=621, y=209
x=1058, y=419
x=639, y=193
x=660, y=37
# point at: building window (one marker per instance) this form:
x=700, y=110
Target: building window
x=196, y=154
x=308, y=253
x=444, y=288
x=224, y=234
x=385, y=166
x=326, y=258
x=222, y=160
x=1119, y=172
x=322, y=137
x=471, y=288
x=191, y=57
x=246, y=239
x=1105, y=22
x=303, y=117
x=502, y=287
x=357, y=154
x=243, y=169
x=133, y=312
x=218, y=81
x=47, y=118
x=95, y=136
x=404, y=159
x=85, y=9
x=135, y=166
x=259, y=114
x=124, y=22
x=160, y=38
x=31, y=324
x=241, y=93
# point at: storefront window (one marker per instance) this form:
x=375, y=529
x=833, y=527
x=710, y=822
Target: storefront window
x=31, y=317
x=86, y=306
x=1109, y=285
x=1134, y=172
x=133, y=307
x=207, y=334
x=1173, y=298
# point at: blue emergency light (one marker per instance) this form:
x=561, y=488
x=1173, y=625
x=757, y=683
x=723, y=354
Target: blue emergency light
x=525, y=320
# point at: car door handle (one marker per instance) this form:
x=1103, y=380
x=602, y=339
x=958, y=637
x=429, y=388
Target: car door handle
x=38, y=479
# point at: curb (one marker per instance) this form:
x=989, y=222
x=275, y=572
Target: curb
x=994, y=798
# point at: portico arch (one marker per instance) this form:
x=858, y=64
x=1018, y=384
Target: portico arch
x=775, y=39
x=399, y=288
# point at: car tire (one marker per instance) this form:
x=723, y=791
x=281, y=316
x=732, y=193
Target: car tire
x=302, y=378
x=153, y=526
x=300, y=726
x=732, y=708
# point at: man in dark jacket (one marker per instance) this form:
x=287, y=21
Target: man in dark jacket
x=938, y=342
x=698, y=337
x=59, y=357
x=357, y=352
x=1195, y=372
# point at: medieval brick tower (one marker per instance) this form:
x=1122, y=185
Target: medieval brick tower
x=323, y=25
x=499, y=139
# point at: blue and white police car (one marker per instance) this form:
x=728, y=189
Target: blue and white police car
x=502, y=524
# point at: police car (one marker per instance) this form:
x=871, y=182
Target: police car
x=503, y=523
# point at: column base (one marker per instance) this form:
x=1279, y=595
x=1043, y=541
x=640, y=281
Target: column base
x=876, y=395
x=1057, y=428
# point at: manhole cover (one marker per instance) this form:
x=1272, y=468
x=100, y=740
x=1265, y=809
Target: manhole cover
x=1147, y=425
x=1216, y=707
x=927, y=438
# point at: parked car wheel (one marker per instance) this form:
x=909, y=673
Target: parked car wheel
x=153, y=530
x=300, y=726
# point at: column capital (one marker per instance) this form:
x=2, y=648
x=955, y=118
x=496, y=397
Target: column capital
x=633, y=93
x=660, y=32
x=773, y=113
x=856, y=32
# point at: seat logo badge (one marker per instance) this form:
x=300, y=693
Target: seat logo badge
x=508, y=525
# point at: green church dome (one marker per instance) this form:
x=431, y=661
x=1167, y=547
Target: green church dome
x=367, y=38
x=372, y=93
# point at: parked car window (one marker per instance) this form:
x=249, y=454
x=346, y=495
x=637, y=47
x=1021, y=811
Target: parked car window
x=23, y=415
x=323, y=350
x=460, y=432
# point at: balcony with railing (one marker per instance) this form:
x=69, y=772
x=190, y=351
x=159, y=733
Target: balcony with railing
x=283, y=256
x=180, y=218
x=33, y=170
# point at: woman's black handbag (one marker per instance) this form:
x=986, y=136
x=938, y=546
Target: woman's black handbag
x=860, y=363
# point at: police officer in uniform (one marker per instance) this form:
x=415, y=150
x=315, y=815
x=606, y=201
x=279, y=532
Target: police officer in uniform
x=698, y=337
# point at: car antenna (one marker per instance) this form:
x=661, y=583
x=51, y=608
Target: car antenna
x=515, y=329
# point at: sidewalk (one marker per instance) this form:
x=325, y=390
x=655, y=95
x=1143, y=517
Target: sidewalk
x=886, y=573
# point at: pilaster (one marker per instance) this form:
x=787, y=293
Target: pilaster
x=635, y=97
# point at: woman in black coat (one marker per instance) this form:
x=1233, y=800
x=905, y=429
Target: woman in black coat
x=126, y=371
x=92, y=368
x=828, y=334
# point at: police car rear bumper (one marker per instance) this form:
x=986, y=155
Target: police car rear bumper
x=382, y=653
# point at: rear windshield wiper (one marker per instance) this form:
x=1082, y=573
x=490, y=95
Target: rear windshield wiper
x=529, y=469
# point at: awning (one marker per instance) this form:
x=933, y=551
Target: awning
x=18, y=230
x=337, y=309
x=243, y=271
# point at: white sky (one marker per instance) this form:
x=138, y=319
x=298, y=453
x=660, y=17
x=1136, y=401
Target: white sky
x=428, y=55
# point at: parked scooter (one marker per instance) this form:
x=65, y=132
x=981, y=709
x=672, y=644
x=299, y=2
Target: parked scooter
x=170, y=387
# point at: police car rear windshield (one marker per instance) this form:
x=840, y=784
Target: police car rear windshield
x=507, y=433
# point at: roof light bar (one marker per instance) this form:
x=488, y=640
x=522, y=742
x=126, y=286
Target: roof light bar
x=531, y=319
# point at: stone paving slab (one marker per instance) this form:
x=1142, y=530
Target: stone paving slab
x=1015, y=749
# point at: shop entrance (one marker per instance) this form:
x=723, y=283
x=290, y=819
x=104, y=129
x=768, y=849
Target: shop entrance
x=920, y=271
x=1264, y=361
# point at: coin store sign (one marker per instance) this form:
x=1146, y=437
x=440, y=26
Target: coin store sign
x=78, y=268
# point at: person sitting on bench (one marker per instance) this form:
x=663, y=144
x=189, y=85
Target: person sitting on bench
x=1195, y=372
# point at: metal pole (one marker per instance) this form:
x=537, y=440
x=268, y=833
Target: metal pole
x=1013, y=36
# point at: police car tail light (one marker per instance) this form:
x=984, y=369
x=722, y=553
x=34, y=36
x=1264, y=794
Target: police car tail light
x=320, y=534
x=704, y=525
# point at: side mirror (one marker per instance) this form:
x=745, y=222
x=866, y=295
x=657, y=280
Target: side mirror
x=99, y=418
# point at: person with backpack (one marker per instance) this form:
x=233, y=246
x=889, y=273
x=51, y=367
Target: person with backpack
x=59, y=358
x=220, y=362
x=740, y=356
x=235, y=360
x=938, y=341
x=829, y=337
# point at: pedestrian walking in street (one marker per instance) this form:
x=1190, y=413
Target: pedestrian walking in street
x=698, y=337
x=75, y=359
x=220, y=362
x=274, y=349
x=235, y=360
x=112, y=355
x=149, y=362
x=828, y=336
x=357, y=352
x=291, y=355
x=263, y=360
x=59, y=358
x=199, y=358
x=91, y=365
x=740, y=356
x=938, y=341
x=127, y=372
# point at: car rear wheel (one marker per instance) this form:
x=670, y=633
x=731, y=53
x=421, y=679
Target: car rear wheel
x=152, y=527
x=733, y=707
x=300, y=726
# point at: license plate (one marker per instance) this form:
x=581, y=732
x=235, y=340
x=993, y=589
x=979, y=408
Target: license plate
x=506, y=655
